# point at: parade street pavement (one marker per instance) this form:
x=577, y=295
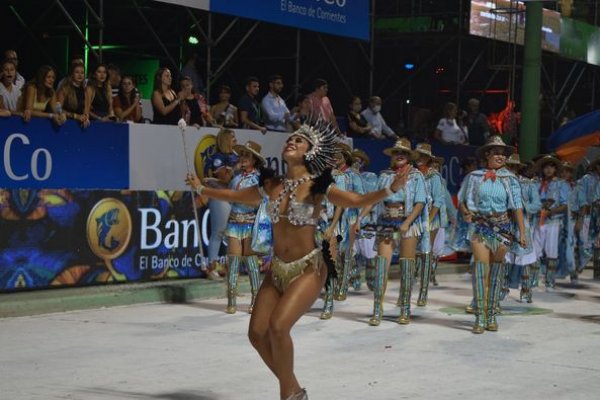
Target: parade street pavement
x=194, y=351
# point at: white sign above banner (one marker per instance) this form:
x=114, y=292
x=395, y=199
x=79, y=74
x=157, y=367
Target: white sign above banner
x=200, y=4
x=157, y=161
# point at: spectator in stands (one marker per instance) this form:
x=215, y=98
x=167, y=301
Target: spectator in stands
x=114, y=78
x=477, y=124
x=4, y=111
x=71, y=94
x=449, y=130
x=76, y=59
x=39, y=98
x=165, y=102
x=319, y=102
x=191, y=69
x=301, y=112
x=276, y=114
x=357, y=124
x=193, y=108
x=379, y=129
x=127, y=102
x=219, y=167
x=250, y=112
x=98, y=96
x=224, y=113
x=9, y=92
x=11, y=55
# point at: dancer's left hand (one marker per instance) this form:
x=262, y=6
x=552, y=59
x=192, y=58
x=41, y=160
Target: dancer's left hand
x=192, y=180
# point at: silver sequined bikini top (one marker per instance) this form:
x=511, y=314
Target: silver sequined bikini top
x=298, y=213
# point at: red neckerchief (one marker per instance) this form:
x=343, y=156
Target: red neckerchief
x=423, y=168
x=490, y=174
x=344, y=168
x=545, y=184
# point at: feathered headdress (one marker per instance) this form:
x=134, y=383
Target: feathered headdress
x=323, y=137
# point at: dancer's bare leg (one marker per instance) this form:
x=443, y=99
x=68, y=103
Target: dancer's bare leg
x=258, y=332
x=297, y=299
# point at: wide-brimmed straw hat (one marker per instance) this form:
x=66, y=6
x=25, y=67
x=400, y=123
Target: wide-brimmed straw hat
x=425, y=149
x=253, y=148
x=494, y=141
x=402, y=145
x=344, y=148
x=567, y=165
x=514, y=159
x=547, y=159
x=358, y=153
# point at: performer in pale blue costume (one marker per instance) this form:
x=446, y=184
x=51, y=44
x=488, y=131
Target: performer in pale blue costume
x=438, y=219
x=553, y=195
x=367, y=228
x=402, y=220
x=487, y=199
x=343, y=219
x=442, y=245
x=588, y=221
x=240, y=226
x=520, y=260
x=566, y=255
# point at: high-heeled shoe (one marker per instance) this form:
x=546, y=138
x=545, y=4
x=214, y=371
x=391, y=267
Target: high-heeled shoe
x=301, y=395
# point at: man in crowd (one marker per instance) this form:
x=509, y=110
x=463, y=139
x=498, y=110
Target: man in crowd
x=9, y=91
x=250, y=112
x=191, y=69
x=380, y=130
x=276, y=114
x=320, y=104
x=478, y=127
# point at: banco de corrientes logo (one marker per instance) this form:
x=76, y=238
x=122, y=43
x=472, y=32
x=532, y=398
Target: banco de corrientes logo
x=109, y=228
x=206, y=148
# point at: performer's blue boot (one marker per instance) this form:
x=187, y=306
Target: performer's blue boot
x=480, y=277
x=379, y=286
x=407, y=271
x=233, y=268
x=425, y=275
x=254, y=275
x=497, y=275
x=525, y=282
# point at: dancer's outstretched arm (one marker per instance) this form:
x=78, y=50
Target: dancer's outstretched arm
x=249, y=195
x=345, y=199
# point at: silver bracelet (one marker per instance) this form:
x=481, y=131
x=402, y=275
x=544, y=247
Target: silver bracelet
x=199, y=190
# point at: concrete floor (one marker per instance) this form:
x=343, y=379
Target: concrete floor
x=547, y=350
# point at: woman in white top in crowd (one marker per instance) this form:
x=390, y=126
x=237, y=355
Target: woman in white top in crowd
x=450, y=129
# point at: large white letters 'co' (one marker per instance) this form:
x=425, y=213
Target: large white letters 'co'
x=34, y=160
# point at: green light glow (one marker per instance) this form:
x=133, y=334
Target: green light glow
x=193, y=40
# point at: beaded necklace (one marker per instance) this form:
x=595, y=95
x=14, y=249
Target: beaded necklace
x=289, y=188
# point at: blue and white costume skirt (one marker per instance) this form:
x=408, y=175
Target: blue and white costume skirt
x=487, y=233
x=240, y=225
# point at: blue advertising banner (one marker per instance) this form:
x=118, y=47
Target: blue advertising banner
x=40, y=154
x=338, y=17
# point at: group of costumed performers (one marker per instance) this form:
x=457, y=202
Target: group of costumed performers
x=328, y=218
